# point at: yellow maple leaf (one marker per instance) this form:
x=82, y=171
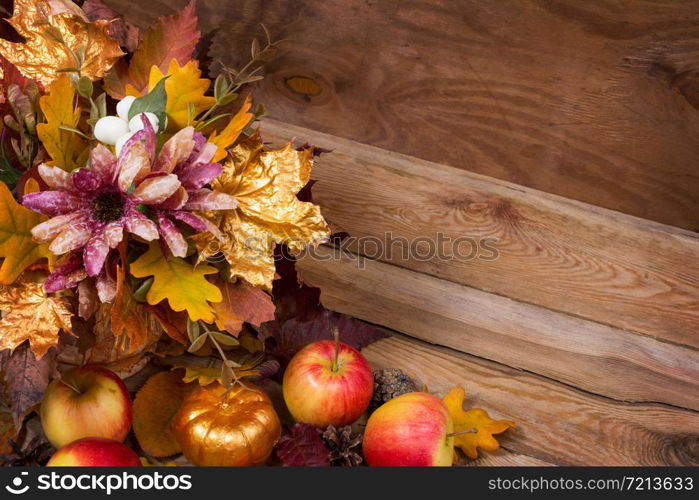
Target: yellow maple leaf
x=232, y=131
x=185, y=90
x=32, y=315
x=473, y=419
x=67, y=149
x=184, y=286
x=16, y=244
x=58, y=38
x=265, y=183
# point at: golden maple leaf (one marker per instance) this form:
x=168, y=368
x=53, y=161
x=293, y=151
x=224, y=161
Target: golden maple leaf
x=58, y=39
x=32, y=315
x=184, y=286
x=231, y=132
x=67, y=149
x=16, y=244
x=185, y=90
x=477, y=419
x=265, y=183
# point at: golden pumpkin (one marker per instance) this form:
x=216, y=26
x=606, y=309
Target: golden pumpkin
x=235, y=429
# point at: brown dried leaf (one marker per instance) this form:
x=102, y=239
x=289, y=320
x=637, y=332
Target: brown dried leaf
x=25, y=379
x=58, y=39
x=303, y=447
x=241, y=303
x=154, y=408
x=32, y=315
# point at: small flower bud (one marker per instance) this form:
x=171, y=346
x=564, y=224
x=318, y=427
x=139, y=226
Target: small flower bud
x=109, y=128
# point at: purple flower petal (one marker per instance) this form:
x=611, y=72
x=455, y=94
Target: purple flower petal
x=154, y=190
x=203, y=151
x=140, y=225
x=172, y=236
x=176, y=150
x=103, y=163
x=56, y=178
x=114, y=233
x=198, y=223
x=53, y=203
x=134, y=165
x=86, y=180
x=73, y=237
x=176, y=201
x=206, y=199
x=66, y=276
x=95, y=253
x=46, y=231
x=197, y=176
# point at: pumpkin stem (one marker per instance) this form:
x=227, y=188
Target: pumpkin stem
x=336, y=336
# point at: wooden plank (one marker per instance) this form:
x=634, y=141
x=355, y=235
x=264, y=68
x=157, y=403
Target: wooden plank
x=595, y=357
x=556, y=424
x=595, y=101
x=556, y=253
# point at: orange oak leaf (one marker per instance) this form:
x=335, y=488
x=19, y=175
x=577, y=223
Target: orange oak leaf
x=241, y=303
x=16, y=244
x=58, y=37
x=154, y=408
x=172, y=37
x=232, y=131
x=128, y=316
x=475, y=418
x=67, y=149
x=30, y=314
x=183, y=285
x=174, y=323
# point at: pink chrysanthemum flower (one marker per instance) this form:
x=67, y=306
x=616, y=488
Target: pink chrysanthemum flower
x=137, y=192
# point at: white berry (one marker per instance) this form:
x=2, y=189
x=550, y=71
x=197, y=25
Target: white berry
x=109, y=128
x=121, y=141
x=124, y=106
x=136, y=124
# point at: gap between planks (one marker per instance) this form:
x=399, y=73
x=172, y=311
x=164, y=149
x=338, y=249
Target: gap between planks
x=594, y=357
x=554, y=252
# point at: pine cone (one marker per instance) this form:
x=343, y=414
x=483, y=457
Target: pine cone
x=342, y=443
x=388, y=384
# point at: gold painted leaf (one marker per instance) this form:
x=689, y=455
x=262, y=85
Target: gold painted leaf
x=265, y=183
x=16, y=244
x=183, y=285
x=473, y=419
x=59, y=38
x=67, y=149
x=206, y=375
x=231, y=132
x=32, y=315
x=185, y=91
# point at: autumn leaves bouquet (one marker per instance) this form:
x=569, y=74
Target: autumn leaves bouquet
x=138, y=200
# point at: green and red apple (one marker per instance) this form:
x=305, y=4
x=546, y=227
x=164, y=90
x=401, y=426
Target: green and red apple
x=88, y=401
x=413, y=429
x=94, y=452
x=328, y=383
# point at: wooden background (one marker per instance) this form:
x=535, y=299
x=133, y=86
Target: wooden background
x=523, y=121
x=596, y=100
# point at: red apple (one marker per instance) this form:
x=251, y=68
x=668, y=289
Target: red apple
x=94, y=452
x=413, y=429
x=328, y=383
x=88, y=401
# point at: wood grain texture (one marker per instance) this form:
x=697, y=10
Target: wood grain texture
x=595, y=101
x=595, y=357
x=556, y=424
x=552, y=252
